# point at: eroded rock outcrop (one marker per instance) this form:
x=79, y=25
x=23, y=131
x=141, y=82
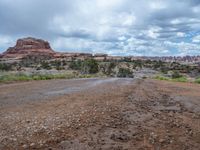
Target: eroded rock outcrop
x=29, y=46
x=32, y=48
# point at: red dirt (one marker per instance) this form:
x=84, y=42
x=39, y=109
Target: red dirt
x=107, y=114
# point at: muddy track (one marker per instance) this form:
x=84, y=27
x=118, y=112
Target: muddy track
x=107, y=114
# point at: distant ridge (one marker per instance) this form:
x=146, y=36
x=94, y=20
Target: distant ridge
x=37, y=47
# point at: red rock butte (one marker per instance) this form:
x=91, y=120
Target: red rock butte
x=29, y=46
x=38, y=47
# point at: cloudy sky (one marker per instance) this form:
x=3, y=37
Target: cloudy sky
x=115, y=27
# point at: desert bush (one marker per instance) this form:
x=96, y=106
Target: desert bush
x=158, y=77
x=127, y=59
x=164, y=70
x=24, y=77
x=46, y=65
x=111, y=66
x=107, y=68
x=14, y=77
x=180, y=79
x=197, y=80
x=87, y=66
x=90, y=66
x=75, y=64
x=158, y=64
x=138, y=63
x=176, y=74
x=125, y=73
x=58, y=64
x=33, y=59
x=5, y=67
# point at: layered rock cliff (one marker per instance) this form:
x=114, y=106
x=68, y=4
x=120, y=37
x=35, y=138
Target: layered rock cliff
x=28, y=46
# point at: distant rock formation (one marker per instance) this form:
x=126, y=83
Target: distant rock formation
x=28, y=46
x=28, y=49
x=38, y=48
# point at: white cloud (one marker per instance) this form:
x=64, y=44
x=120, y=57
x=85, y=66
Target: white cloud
x=180, y=34
x=153, y=32
x=176, y=21
x=196, y=39
x=105, y=4
x=127, y=19
x=158, y=4
x=6, y=41
x=196, y=9
x=184, y=48
x=122, y=38
x=112, y=26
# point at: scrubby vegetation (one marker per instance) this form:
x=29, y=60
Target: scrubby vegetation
x=176, y=75
x=46, y=65
x=5, y=67
x=88, y=66
x=197, y=80
x=178, y=79
x=125, y=73
x=160, y=77
x=24, y=77
x=126, y=68
x=75, y=65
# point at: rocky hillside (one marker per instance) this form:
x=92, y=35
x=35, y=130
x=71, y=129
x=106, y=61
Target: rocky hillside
x=28, y=46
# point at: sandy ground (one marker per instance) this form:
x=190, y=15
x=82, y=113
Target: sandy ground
x=102, y=114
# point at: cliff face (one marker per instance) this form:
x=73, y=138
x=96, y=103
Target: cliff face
x=28, y=46
x=38, y=48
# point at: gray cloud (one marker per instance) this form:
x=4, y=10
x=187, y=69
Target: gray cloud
x=125, y=27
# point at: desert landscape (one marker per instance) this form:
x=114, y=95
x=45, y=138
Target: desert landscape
x=100, y=75
x=110, y=114
x=74, y=101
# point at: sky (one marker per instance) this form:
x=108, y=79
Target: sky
x=114, y=27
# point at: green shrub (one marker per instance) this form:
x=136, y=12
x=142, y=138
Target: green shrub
x=5, y=67
x=125, y=73
x=164, y=70
x=162, y=78
x=176, y=74
x=75, y=65
x=90, y=66
x=16, y=77
x=180, y=79
x=59, y=65
x=110, y=68
x=46, y=65
x=23, y=77
x=197, y=80
x=138, y=63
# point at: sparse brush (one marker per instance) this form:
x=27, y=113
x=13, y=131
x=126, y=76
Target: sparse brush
x=161, y=78
x=181, y=79
x=197, y=80
x=23, y=77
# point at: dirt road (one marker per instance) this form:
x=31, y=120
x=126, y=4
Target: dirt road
x=102, y=114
